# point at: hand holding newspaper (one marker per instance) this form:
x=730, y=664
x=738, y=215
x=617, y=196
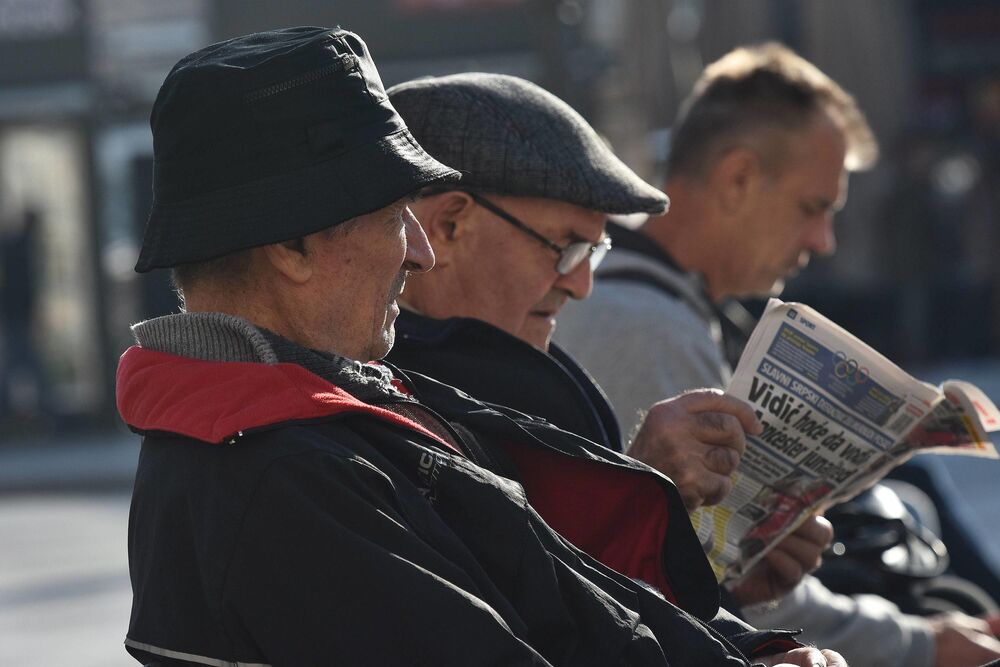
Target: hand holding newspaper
x=837, y=417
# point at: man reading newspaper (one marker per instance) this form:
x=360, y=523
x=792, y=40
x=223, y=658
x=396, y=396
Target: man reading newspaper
x=837, y=417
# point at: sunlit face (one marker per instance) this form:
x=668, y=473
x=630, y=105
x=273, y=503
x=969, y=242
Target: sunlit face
x=507, y=278
x=361, y=270
x=791, y=215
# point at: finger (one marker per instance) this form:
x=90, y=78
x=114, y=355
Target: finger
x=718, y=428
x=717, y=491
x=676, y=439
x=834, y=659
x=786, y=570
x=697, y=483
x=722, y=460
x=708, y=400
x=808, y=555
x=702, y=488
x=973, y=623
x=994, y=624
x=804, y=657
x=816, y=529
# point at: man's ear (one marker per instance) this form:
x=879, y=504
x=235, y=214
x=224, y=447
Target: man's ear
x=445, y=219
x=736, y=178
x=290, y=259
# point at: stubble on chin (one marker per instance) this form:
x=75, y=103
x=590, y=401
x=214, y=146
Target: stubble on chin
x=794, y=266
x=385, y=336
x=536, y=334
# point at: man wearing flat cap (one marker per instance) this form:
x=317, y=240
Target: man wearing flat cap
x=297, y=502
x=514, y=240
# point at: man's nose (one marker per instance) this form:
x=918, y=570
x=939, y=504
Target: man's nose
x=419, y=254
x=821, y=239
x=579, y=282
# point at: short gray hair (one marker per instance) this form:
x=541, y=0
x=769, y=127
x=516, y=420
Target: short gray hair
x=227, y=270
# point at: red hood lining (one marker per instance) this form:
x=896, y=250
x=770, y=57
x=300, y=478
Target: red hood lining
x=213, y=400
x=618, y=516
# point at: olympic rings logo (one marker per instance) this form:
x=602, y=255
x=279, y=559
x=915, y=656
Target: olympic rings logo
x=849, y=370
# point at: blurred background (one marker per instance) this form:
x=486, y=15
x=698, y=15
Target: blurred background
x=916, y=274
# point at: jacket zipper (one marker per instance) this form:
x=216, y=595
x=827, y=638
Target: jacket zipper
x=474, y=453
x=463, y=445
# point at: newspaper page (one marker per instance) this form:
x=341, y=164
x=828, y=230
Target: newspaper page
x=837, y=417
x=959, y=424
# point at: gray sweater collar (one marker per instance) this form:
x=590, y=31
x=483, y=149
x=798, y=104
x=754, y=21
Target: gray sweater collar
x=222, y=337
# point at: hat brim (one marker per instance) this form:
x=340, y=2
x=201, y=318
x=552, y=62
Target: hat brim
x=361, y=180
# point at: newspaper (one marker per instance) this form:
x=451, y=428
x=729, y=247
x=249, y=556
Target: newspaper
x=837, y=417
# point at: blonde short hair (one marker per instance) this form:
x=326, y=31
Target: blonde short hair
x=757, y=94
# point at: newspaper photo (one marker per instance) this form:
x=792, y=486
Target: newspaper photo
x=837, y=416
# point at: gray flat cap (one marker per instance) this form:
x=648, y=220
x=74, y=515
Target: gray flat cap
x=509, y=136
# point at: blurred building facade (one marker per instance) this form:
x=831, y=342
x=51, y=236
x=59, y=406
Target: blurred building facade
x=914, y=275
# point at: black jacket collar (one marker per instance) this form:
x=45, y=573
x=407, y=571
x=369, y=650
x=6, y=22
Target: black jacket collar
x=498, y=368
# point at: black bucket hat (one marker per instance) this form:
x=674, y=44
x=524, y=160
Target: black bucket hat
x=270, y=137
x=509, y=136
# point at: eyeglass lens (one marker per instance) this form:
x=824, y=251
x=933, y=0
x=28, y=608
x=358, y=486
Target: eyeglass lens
x=575, y=253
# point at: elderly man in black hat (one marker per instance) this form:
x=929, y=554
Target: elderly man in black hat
x=298, y=503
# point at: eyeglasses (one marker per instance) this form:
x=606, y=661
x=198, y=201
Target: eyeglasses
x=570, y=255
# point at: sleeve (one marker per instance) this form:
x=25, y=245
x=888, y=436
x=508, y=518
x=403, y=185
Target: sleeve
x=328, y=571
x=641, y=346
x=867, y=630
x=750, y=641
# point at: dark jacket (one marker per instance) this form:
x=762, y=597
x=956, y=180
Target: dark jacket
x=496, y=367
x=499, y=368
x=278, y=520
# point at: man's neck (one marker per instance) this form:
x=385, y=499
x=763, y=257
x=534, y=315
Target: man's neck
x=280, y=312
x=260, y=309
x=687, y=233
